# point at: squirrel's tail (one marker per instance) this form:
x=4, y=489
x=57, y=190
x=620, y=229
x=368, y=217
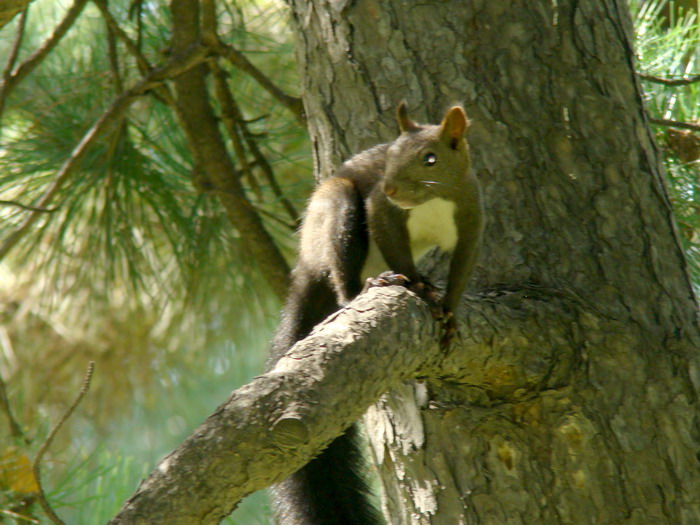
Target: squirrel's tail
x=330, y=490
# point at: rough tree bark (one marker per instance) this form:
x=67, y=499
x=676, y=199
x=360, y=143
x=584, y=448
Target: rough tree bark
x=576, y=207
x=573, y=396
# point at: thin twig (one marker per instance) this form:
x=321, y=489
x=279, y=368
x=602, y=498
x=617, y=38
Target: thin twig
x=290, y=226
x=17, y=45
x=36, y=466
x=7, y=72
x=675, y=124
x=26, y=207
x=163, y=92
x=19, y=73
x=240, y=61
x=671, y=81
x=261, y=160
x=17, y=516
x=178, y=65
x=136, y=11
x=120, y=128
x=209, y=29
x=113, y=54
x=141, y=62
x=228, y=117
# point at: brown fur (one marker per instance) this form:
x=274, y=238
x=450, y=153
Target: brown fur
x=367, y=207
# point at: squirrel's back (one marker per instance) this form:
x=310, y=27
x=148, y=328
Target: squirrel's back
x=382, y=210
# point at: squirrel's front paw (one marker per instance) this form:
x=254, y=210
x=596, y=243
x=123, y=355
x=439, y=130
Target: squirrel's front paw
x=429, y=294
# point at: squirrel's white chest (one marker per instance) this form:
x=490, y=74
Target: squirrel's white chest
x=429, y=224
x=432, y=224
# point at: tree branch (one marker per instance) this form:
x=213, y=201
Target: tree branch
x=16, y=46
x=275, y=424
x=280, y=420
x=162, y=92
x=232, y=114
x=225, y=98
x=234, y=121
x=36, y=465
x=11, y=81
x=141, y=62
x=16, y=431
x=178, y=65
x=240, y=61
x=210, y=152
x=675, y=124
x=4, y=202
x=113, y=55
x=671, y=81
x=10, y=8
x=228, y=117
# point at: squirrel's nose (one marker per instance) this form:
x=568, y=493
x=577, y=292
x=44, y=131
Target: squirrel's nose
x=389, y=189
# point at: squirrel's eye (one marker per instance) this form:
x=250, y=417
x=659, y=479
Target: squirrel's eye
x=430, y=159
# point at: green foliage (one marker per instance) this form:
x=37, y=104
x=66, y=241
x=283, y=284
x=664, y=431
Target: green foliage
x=132, y=265
x=97, y=479
x=91, y=486
x=129, y=230
x=668, y=46
x=131, y=209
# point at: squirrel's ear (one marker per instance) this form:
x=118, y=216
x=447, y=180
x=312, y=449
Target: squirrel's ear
x=405, y=123
x=453, y=126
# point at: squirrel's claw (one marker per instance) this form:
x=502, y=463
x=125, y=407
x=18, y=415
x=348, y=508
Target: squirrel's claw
x=386, y=279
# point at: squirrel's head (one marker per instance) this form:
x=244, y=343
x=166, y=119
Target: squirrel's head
x=426, y=161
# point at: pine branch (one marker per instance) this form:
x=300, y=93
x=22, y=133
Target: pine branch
x=16, y=46
x=36, y=58
x=163, y=92
x=278, y=415
x=675, y=124
x=113, y=55
x=240, y=61
x=232, y=113
x=211, y=38
x=671, y=81
x=233, y=118
x=141, y=62
x=210, y=153
x=26, y=207
x=177, y=66
x=265, y=166
x=225, y=98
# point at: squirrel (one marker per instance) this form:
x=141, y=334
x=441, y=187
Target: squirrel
x=382, y=210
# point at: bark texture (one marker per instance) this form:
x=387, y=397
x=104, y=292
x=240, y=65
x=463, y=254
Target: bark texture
x=279, y=421
x=576, y=208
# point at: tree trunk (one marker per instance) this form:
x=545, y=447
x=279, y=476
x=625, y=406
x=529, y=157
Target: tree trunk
x=605, y=429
